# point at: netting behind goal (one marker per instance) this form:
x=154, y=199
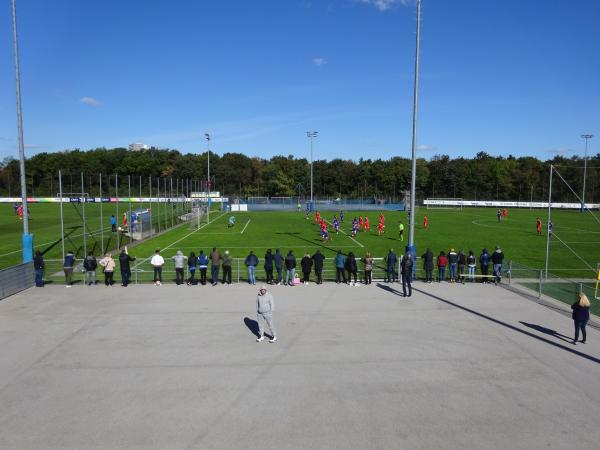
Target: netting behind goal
x=444, y=203
x=198, y=216
x=258, y=200
x=570, y=228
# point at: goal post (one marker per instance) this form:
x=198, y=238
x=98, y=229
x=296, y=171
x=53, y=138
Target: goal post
x=444, y=203
x=198, y=216
x=596, y=293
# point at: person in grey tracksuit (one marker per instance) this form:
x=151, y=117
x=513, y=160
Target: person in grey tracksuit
x=179, y=261
x=264, y=313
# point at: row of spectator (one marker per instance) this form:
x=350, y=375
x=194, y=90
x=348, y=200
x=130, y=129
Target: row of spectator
x=274, y=262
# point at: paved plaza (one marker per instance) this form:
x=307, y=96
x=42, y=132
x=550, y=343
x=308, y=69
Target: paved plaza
x=177, y=367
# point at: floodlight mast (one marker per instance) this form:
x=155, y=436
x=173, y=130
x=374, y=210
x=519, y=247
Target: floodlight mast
x=413, y=178
x=586, y=137
x=311, y=135
x=207, y=136
x=27, y=239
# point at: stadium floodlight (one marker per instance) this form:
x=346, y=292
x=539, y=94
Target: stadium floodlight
x=27, y=238
x=207, y=137
x=413, y=178
x=586, y=137
x=311, y=135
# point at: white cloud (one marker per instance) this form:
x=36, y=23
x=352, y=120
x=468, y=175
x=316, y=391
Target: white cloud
x=319, y=62
x=32, y=146
x=90, y=101
x=384, y=5
x=426, y=148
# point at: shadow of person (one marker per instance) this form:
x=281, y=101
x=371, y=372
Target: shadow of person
x=252, y=325
x=546, y=331
x=390, y=289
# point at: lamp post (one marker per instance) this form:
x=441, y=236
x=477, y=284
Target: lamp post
x=413, y=178
x=27, y=239
x=586, y=137
x=311, y=135
x=207, y=136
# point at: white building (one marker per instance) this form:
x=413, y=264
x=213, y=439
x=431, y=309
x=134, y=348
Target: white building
x=138, y=147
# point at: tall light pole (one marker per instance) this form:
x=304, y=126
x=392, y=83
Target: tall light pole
x=207, y=136
x=311, y=135
x=27, y=239
x=586, y=137
x=413, y=178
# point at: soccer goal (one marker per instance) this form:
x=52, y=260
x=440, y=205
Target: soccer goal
x=444, y=203
x=258, y=200
x=198, y=216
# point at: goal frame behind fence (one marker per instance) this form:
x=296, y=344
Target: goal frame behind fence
x=445, y=203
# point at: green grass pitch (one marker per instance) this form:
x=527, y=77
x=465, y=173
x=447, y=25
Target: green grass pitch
x=467, y=229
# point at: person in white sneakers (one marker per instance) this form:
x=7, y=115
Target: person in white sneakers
x=157, y=262
x=264, y=313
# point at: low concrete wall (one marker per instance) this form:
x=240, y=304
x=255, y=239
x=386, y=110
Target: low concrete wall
x=16, y=279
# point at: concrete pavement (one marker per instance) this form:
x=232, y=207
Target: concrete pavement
x=177, y=367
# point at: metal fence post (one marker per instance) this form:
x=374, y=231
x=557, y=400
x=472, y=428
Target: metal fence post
x=509, y=272
x=540, y=284
x=580, y=288
x=238, y=269
x=136, y=271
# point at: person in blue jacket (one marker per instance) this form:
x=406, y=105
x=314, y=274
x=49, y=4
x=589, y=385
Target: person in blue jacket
x=202, y=265
x=391, y=259
x=68, y=267
x=340, y=266
x=484, y=262
x=251, y=263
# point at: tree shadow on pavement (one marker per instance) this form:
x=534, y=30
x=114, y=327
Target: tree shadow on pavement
x=497, y=321
x=548, y=331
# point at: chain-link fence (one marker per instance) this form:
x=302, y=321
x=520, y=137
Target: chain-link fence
x=538, y=283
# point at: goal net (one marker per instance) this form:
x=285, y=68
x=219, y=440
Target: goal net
x=258, y=200
x=444, y=203
x=198, y=215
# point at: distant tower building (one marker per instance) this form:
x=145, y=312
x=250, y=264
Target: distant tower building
x=138, y=147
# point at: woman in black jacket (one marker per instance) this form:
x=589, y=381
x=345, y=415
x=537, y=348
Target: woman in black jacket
x=269, y=266
x=306, y=264
x=428, y=265
x=351, y=268
x=318, y=259
x=581, y=315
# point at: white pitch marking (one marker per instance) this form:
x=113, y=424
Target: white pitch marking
x=244, y=229
x=347, y=235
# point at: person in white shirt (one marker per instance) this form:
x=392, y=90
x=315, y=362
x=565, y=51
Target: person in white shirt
x=157, y=262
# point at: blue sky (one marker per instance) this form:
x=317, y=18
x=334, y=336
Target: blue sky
x=511, y=76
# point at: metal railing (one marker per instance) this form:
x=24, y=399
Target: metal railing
x=16, y=279
x=143, y=272
x=551, y=285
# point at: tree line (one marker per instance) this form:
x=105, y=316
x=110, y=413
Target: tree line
x=483, y=177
